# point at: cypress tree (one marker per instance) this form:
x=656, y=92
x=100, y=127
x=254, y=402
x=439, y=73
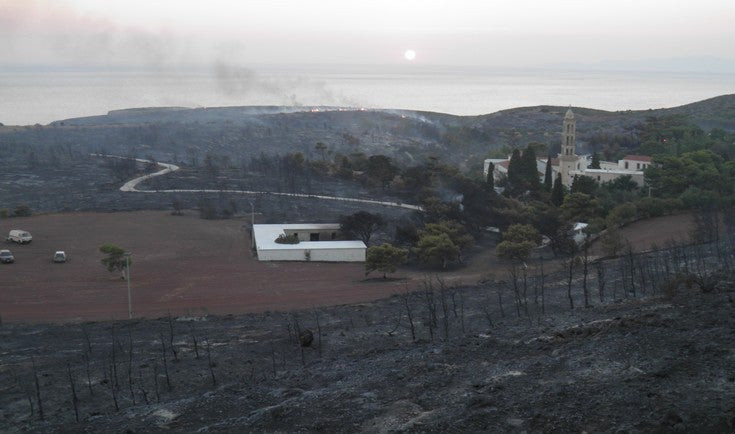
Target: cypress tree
x=547, y=176
x=515, y=171
x=490, y=181
x=595, y=161
x=557, y=193
x=530, y=171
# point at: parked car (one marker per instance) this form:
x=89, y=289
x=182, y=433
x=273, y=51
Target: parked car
x=60, y=256
x=20, y=236
x=6, y=257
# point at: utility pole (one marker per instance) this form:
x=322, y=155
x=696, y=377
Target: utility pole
x=127, y=275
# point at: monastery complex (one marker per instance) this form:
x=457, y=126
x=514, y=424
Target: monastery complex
x=569, y=164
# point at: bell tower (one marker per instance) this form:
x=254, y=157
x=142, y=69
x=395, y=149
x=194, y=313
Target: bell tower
x=568, y=158
x=567, y=135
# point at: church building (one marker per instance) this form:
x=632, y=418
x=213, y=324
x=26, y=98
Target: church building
x=568, y=164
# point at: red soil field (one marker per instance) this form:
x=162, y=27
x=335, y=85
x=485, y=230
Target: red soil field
x=181, y=264
x=184, y=265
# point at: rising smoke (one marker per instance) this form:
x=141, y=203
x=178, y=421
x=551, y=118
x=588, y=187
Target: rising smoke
x=294, y=90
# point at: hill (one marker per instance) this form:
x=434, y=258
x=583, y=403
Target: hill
x=182, y=134
x=49, y=168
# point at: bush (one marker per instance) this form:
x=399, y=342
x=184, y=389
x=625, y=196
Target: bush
x=621, y=214
x=655, y=207
x=22, y=211
x=4, y=213
x=288, y=239
x=695, y=197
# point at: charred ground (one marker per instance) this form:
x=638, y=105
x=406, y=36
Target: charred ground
x=658, y=362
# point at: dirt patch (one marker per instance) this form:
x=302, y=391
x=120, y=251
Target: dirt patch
x=648, y=234
x=181, y=264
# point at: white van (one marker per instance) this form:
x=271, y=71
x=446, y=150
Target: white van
x=20, y=236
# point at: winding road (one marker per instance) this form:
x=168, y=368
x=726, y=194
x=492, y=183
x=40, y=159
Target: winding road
x=131, y=186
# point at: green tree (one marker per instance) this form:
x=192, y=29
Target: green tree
x=621, y=214
x=435, y=250
x=612, y=242
x=623, y=183
x=515, y=172
x=671, y=176
x=384, y=258
x=580, y=207
x=490, y=179
x=380, y=170
x=595, y=161
x=548, y=182
x=530, y=170
x=361, y=225
x=115, y=259
x=518, y=242
x=583, y=184
x=453, y=229
x=557, y=193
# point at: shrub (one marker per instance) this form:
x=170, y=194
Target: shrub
x=655, y=207
x=22, y=211
x=288, y=239
x=621, y=214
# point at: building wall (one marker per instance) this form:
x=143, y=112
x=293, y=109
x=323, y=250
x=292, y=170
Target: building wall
x=318, y=255
x=633, y=164
x=305, y=234
x=567, y=165
x=602, y=175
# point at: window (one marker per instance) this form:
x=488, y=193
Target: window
x=314, y=236
x=638, y=166
x=626, y=164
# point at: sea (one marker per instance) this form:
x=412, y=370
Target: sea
x=42, y=95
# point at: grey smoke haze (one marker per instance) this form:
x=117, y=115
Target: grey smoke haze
x=240, y=82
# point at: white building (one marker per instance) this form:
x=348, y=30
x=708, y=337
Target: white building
x=317, y=242
x=568, y=164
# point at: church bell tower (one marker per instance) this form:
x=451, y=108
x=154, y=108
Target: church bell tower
x=568, y=158
x=567, y=134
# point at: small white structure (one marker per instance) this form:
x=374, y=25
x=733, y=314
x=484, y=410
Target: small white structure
x=578, y=232
x=317, y=242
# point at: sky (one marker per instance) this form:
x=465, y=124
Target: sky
x=513, y=33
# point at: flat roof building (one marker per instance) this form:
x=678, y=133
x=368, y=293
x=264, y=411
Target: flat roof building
x=316, y=242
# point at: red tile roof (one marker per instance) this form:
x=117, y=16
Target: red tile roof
x=644, y=158
x=505, y=163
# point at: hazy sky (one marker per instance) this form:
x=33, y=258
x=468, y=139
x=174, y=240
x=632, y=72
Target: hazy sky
x=175, y=33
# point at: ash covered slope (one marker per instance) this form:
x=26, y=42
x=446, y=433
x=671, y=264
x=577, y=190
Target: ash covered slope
x=643, y=365
x=187, y=135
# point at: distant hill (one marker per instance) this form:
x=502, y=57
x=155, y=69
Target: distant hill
x=239, y=133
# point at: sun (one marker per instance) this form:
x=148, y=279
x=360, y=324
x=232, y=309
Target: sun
x=409, y=55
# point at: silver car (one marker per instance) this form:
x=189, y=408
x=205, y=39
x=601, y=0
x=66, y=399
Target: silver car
x=60, y=256
x=6, y=257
